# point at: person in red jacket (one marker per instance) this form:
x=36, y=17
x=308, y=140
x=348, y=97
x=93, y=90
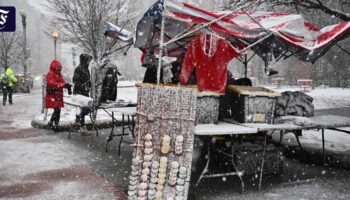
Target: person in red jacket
x=54, y=92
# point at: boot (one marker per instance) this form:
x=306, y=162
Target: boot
x=50, y=125
x=56, y=128
x=4, y=103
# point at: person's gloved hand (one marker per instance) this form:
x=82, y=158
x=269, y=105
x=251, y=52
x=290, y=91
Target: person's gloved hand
x=67, y=85
x=69, y=88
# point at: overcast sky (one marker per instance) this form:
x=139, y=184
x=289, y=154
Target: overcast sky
x=39, y=4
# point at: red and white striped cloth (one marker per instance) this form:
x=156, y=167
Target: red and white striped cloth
x=292, y=28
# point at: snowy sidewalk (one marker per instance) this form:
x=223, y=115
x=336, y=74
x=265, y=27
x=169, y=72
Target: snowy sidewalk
x=39, y=165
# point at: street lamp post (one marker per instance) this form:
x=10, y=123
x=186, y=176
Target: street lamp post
x=55, y=36
x=24, y=25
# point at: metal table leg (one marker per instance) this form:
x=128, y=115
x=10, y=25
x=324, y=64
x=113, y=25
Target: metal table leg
x=72, y=128
x=297, y=134
x=205, y=170
x=323, y=148
x=281, y=136
x=262, y=163
x=123, y=133
x=93, y=121
x=132, y=126
x=239, y=173
x=110, y=137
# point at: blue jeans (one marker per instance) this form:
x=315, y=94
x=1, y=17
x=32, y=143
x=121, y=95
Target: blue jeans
x=84, y=111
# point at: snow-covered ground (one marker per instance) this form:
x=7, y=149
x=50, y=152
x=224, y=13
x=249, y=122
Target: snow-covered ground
x=39, y=165
x=325, y=98
x=48, y=166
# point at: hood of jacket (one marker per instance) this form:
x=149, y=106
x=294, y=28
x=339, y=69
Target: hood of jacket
x=84, y=58
x=9, y=72
x=55, y=64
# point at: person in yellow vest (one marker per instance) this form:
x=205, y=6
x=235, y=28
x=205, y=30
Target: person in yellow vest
x=7, y=80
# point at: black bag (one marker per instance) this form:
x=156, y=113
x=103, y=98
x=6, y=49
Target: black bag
x=51, y=90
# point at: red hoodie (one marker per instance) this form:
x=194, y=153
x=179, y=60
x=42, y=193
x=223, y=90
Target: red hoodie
x=54, y=86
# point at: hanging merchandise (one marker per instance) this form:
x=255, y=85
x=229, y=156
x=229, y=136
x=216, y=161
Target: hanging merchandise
x=162, y=156
x=178, y=144
x=209, y=56
x=166, y=144
x=270, y=64
x=133, y=179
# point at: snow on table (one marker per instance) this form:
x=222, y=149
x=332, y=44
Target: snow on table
x=317, y=122
x=271, y=127
x=124, y=110
x=223, y=128
x=77, y=102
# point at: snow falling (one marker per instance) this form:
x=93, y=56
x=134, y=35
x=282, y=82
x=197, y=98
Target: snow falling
x=81, y=116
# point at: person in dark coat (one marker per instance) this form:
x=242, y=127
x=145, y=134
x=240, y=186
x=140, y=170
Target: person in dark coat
x=226, y=100
x=82, y=83
x=109, y=85
x=81, y=77
x=54, y=92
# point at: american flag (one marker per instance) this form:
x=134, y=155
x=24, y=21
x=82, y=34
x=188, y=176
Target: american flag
x=289, y=32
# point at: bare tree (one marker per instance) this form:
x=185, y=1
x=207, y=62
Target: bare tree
x=10, y=49
x=81, y=21
x=336, y=8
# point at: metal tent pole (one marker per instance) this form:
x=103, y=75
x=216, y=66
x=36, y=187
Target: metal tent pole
x=161, y=43
x=202, y=26
x=245, y=66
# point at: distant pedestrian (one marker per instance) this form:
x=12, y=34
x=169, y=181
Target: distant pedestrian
x=7, y=80
x=54, y=93
x=82, y=85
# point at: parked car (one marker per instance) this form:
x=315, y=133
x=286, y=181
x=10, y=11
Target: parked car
x=25, y=83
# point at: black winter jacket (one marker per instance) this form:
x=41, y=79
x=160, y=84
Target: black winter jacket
x=81, y=80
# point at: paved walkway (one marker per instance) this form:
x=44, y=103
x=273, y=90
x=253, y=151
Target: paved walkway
x=39, y=164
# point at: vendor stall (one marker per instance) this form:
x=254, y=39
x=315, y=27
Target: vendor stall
x=209, y=40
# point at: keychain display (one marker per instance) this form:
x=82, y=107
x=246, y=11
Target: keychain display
x=178, y=144
x=163, y=145
x=166, y=144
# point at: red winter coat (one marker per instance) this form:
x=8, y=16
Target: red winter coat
x=54, y=86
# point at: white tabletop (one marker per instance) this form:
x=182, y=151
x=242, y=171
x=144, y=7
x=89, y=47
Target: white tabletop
x=271, y=127
x=70, y=102
x=124, y=110
x=323, y=121
x=223, y=128
x=233, y=128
